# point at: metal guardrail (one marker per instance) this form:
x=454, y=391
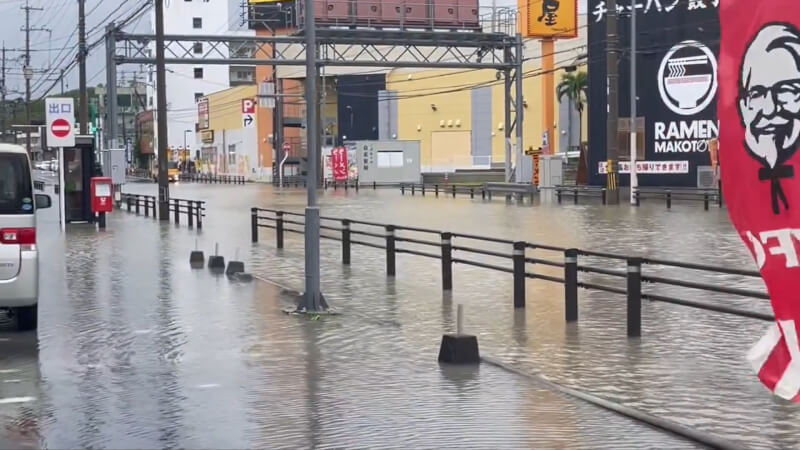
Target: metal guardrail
x=193, y=210
x=448, y=189
x=668, y=195
x=441, y=245
x=581, y=191
x=212, y=178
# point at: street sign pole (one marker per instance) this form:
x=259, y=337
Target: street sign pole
x=62, y=203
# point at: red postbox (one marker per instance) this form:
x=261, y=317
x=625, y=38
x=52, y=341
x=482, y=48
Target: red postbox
x=102, y=192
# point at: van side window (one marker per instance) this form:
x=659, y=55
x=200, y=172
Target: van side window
x=16, y=190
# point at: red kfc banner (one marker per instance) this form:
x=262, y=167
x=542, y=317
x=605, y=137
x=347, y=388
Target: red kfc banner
x=339, y=165
x=759, y=113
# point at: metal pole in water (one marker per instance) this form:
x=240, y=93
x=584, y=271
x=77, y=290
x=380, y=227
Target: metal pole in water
x=312, y=299
x=460, y=320
x=62, y=205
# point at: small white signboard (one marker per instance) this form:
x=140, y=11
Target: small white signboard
x=60, y=115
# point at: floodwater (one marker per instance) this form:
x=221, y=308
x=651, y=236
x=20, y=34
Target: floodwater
x=135, y=349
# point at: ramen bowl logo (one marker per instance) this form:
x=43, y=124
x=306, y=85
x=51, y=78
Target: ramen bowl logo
x=687, y=78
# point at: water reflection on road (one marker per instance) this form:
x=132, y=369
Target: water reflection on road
x=137, y=351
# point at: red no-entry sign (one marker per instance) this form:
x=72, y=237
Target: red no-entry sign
x=60, y=128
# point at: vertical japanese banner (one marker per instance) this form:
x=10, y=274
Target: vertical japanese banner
x=759, y=112
x=339, y=163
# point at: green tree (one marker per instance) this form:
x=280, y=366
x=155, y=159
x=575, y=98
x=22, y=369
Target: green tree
x=574, y=87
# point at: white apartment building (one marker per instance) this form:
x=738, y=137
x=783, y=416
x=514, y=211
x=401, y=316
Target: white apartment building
x=186, y=83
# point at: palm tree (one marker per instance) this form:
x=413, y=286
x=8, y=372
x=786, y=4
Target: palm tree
x=574, y=86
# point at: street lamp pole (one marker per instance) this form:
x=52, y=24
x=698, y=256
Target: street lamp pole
x=312, y=300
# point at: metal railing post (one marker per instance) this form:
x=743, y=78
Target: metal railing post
x=413, y=189
x=402, y=189
x=128, y=201
x=176, y=204
x=253, y=224
x=558, y=194
x=137, y=204
x=705, y=201
x=634, y=297
x=447, y=261
x=423, y=189
x=279, y=229
x=669, y=199
x=345, y=242
x=472, y=192
x=575, y=195
x=390, y=251
x=436, y=190
x=519, y=274
x=190, y=213
x=636, y=195
x=604, y=195
x=199, y=211
x=146, y=207
x=454, y=190
x=374, y=185
x=571, y=284
x=483, y=193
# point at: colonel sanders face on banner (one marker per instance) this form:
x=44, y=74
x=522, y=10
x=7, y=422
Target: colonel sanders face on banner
x=769, y=102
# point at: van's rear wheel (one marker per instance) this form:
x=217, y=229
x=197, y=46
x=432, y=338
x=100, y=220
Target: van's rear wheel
x=27, y=317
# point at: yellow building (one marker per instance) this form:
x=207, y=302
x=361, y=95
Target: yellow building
x=446, y=113
x=228, y=139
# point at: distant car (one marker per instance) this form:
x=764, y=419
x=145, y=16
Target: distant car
x=19, y=256
x=172, y=172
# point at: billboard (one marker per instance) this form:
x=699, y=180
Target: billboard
x=551, y=18
x=677, y=87
x=202, y=114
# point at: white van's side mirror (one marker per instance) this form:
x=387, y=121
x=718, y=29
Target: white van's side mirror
x=43, y=201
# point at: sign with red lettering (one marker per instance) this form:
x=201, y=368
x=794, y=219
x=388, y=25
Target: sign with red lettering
x=759, y=112
x=339, y=163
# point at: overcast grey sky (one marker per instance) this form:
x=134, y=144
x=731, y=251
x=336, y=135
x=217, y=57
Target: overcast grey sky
x=54, y=49
x=61, y=17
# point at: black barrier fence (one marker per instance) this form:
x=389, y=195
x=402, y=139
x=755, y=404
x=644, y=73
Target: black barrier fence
x=575, y=192
x=38, y=185
x=447, y=190
x=706, y=196
x=212, y=178
x=608, y=272
x=193, y=210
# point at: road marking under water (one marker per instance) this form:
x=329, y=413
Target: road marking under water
x=12, y=400
x=12, y=381
x=6, y=371
x=207, y=386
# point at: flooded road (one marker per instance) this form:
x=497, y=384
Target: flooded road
x=689, y=366
x=137, y=350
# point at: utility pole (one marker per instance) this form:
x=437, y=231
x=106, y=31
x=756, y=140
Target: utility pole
x=634, y=130
x=61, y=78
x=161, y=110
x=84, y=97
x=3, y=98
x=312, y=300
x=28, y=71
x=612, y=72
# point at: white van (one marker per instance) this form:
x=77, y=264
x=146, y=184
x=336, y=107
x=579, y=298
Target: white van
x=19, y=256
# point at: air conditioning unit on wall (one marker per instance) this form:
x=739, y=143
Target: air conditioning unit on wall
x=705, y=177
